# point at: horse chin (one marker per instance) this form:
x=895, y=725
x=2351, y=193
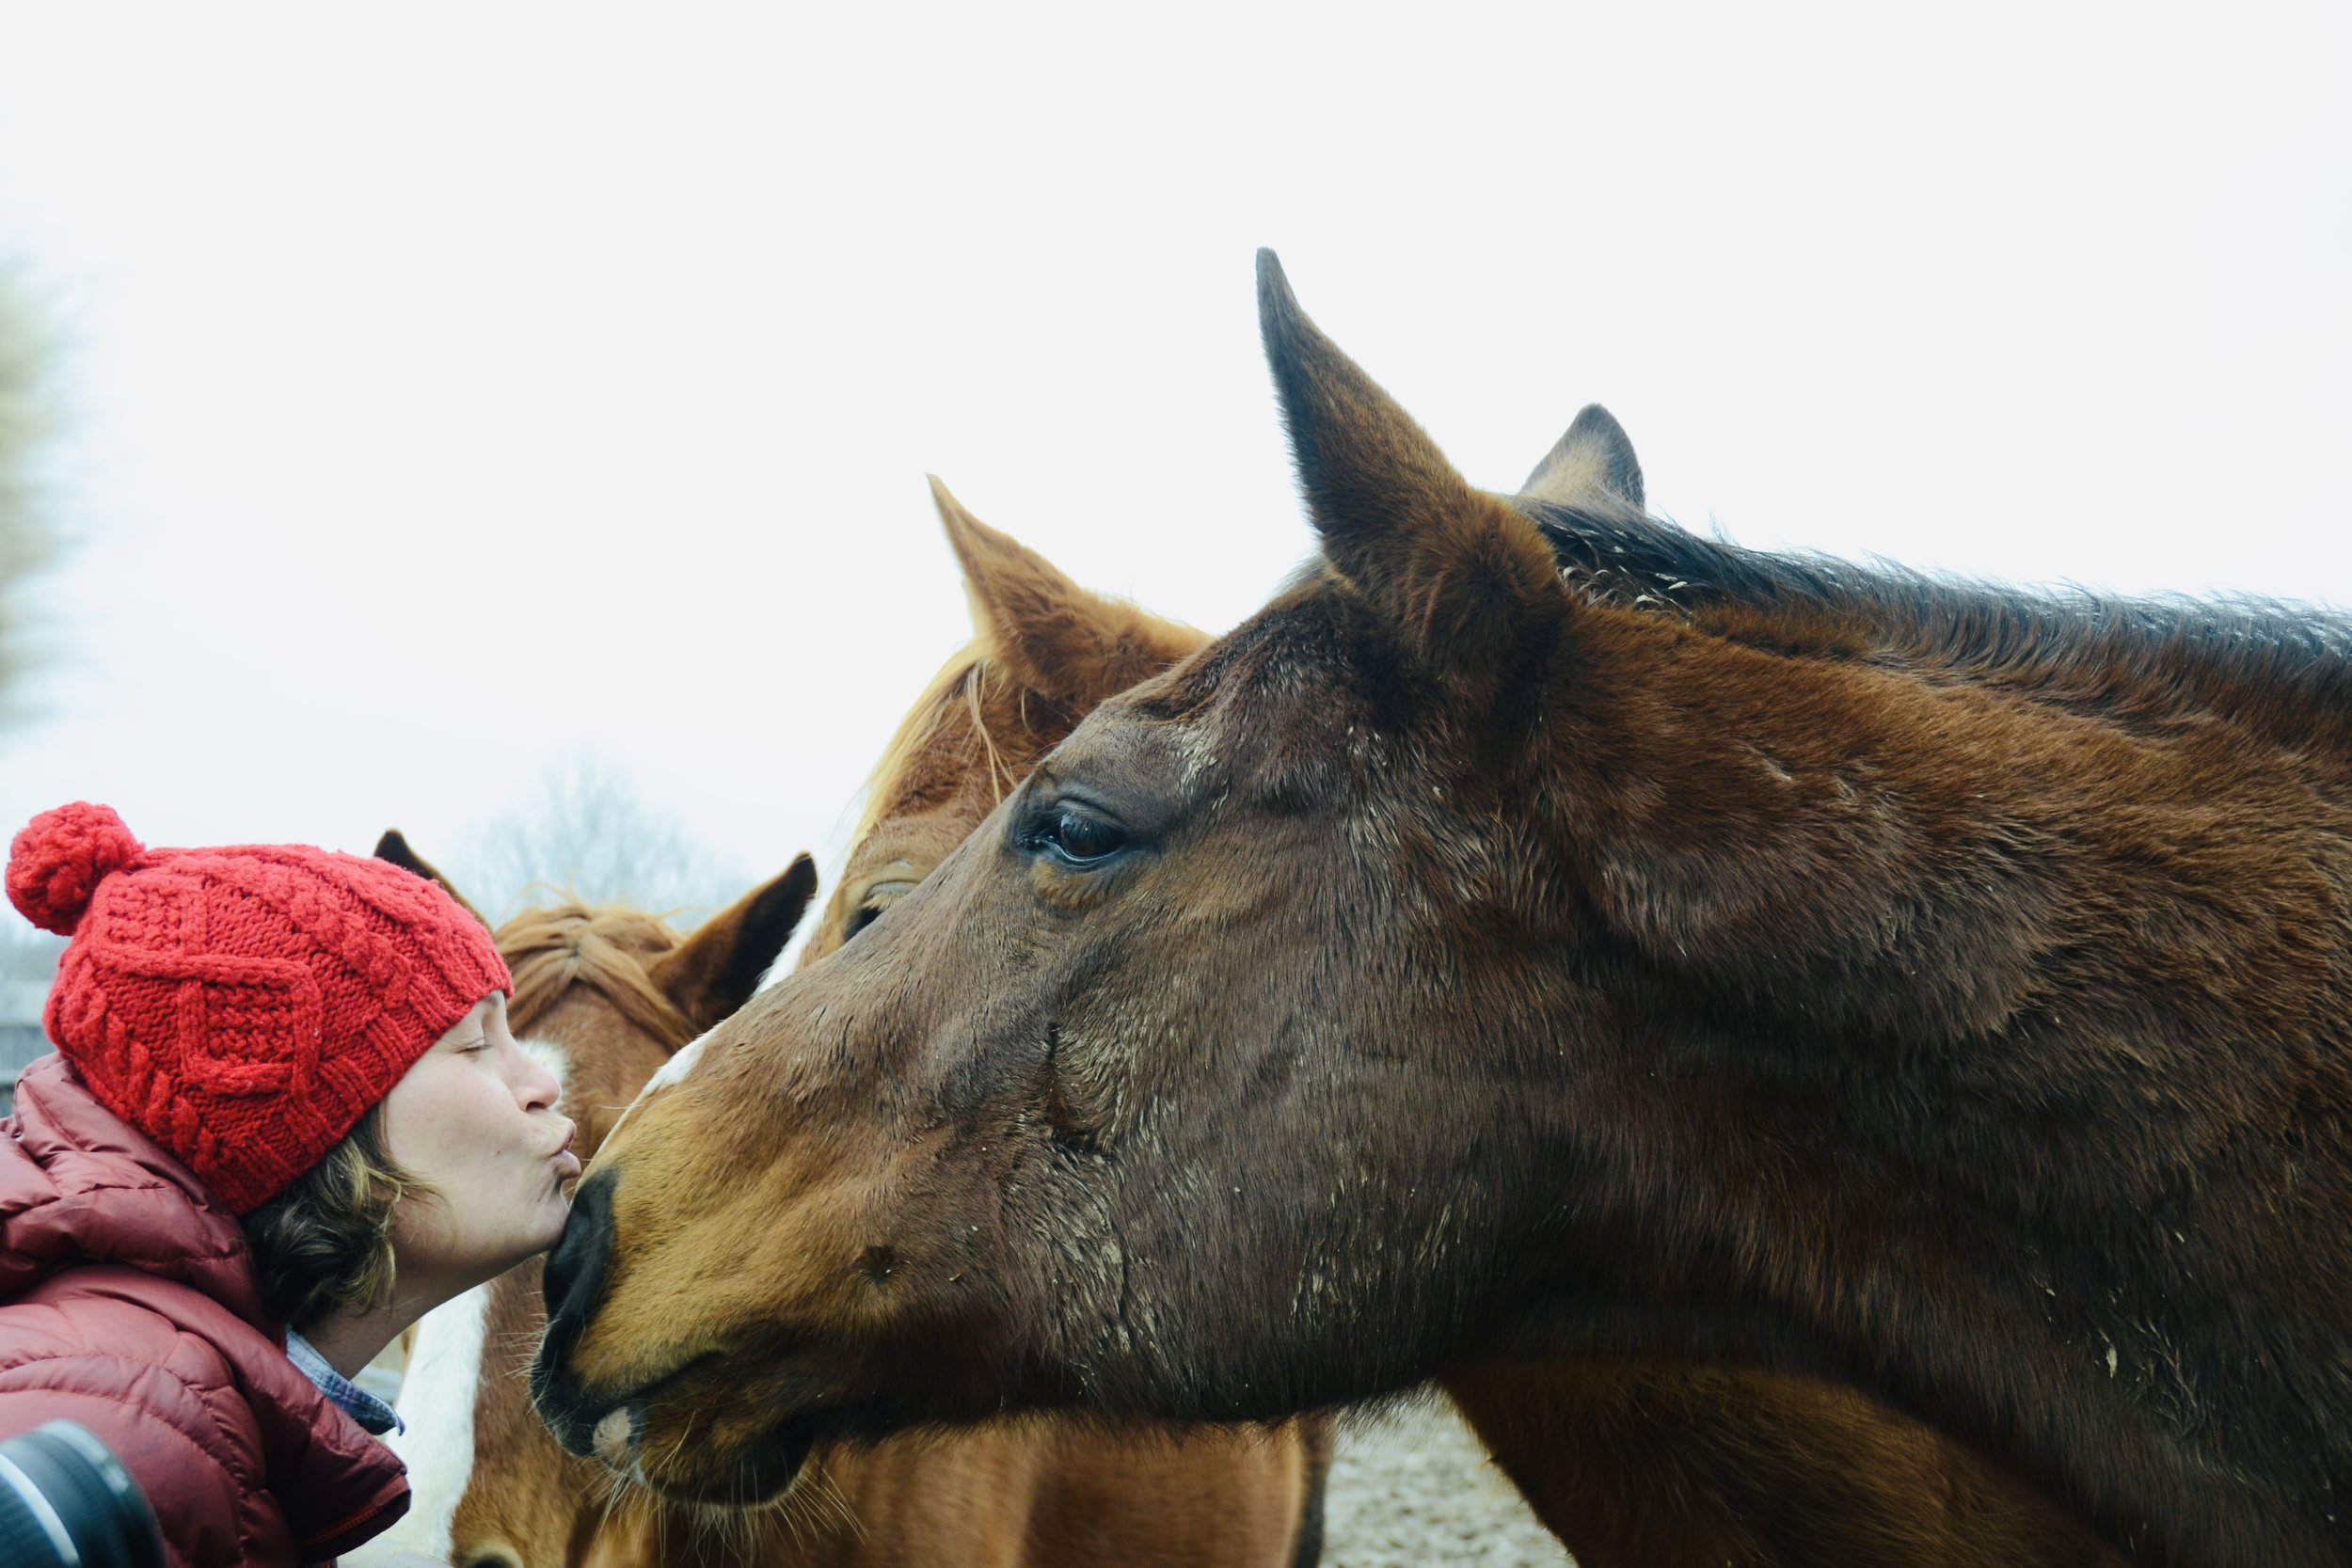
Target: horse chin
x=758, y=1474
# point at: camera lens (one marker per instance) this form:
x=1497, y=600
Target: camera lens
x=65, y=1500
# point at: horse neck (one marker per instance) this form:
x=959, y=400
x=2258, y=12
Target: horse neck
x=1977, y=1035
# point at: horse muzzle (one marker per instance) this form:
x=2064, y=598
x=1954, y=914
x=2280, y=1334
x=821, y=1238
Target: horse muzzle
x=609, y=1423
x=574, y=1282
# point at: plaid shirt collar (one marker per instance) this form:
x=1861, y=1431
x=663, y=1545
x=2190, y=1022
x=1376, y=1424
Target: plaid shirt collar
x=348, y=1396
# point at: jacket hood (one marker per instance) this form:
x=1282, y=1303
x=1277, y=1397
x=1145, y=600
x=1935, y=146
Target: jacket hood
x=129, y=1302
x=79, y=1185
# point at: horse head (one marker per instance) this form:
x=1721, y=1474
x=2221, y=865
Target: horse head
x=1459, y=963
x=609, y=994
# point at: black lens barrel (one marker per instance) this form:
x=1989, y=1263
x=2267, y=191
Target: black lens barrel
x=66, y=1501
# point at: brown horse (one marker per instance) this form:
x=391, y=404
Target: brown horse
x=1448, y=966
x=1633, y=1467
x=604, y=996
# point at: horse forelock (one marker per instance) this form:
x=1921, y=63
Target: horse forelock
x=970, y=683
x=551, y=949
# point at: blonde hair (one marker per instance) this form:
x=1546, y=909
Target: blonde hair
x=962, y=682
x=326, y=1241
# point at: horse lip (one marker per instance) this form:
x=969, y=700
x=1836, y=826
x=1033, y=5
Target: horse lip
x=604, y=1424
x=612, y=1431
x=615, y=1437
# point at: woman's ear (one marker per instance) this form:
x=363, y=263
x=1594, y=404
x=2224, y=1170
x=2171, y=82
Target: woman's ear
x=715, y=970
x=1468, y=583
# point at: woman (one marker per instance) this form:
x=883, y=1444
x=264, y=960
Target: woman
x=285, y=1121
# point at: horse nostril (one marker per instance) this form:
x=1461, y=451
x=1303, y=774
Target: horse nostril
x=575, y=1270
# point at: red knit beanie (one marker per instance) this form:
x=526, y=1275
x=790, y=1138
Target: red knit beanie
x=243, y=1007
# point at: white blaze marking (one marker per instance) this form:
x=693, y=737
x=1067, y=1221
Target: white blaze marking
x=548, y=1055
x=437, y=1399
x=678, y=1067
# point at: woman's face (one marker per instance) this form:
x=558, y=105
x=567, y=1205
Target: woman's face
x=476, y=1117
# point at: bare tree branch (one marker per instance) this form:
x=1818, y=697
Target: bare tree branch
x=28, y=416
x=587, y=833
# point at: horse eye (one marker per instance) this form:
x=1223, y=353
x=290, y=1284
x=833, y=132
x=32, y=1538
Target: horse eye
x=1084, y=838
x=879, y=899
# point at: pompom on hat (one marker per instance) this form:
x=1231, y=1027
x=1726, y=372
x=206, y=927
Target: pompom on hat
x=243, y=1007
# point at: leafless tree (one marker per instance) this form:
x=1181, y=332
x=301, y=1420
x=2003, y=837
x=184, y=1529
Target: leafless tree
x=29, y=960
x=27, y=418
x=586, y=831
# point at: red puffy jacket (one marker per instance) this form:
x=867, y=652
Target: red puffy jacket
x=128, y=1303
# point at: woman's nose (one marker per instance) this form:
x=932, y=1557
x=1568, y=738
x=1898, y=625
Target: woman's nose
x=538, y=1089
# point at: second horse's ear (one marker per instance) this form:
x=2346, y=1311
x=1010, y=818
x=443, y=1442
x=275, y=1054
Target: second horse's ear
x=1061, y=640
x=393, y=846
x=715, y=970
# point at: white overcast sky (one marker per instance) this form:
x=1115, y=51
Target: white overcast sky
x=465, y=386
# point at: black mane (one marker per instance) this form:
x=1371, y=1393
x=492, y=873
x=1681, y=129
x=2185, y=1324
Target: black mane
x=1918, y=618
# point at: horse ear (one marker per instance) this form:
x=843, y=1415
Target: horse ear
x=393, y=846
x=715, y=970
x=1591, y=468
x=1057, y=639
x=1470, y=583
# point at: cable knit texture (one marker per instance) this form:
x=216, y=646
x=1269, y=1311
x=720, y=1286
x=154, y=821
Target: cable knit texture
x=243, y=1007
